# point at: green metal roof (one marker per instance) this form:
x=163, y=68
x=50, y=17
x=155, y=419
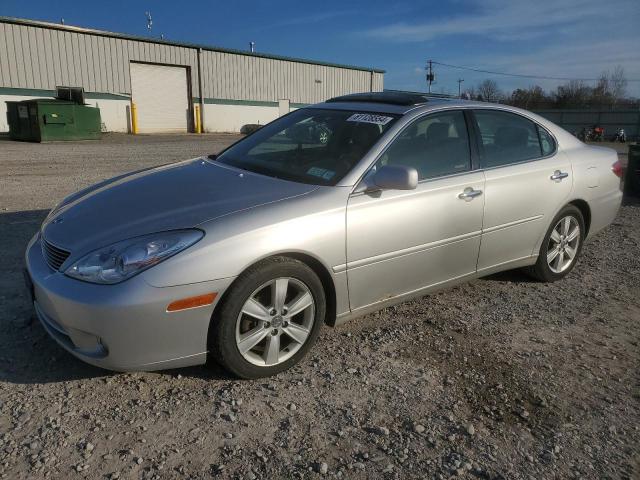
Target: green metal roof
x=89, y=31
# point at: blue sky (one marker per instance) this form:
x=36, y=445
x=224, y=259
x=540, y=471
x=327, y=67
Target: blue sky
x=567, y=38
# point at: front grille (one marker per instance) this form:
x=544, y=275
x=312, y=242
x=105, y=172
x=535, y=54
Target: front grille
x=54, y=256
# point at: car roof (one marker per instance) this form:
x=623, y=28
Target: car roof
x=397, y=103
x=393, y=98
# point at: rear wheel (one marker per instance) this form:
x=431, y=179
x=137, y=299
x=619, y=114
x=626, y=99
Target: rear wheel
x=561, y=246
x=269, y=319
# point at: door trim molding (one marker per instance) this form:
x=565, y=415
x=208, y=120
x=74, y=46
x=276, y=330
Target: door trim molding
x=364, y=262
x=403, y=297
x=436, y=287
x=512, y=224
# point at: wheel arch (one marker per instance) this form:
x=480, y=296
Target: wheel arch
x=310, y=261
x=584, y=208
x=325, y=277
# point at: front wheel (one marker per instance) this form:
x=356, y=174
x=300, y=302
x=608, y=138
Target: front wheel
x=561, y=246
x=269, y=319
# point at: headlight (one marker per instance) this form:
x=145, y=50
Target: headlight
x=117, y=262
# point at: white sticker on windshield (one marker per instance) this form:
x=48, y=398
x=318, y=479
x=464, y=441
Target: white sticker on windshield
x=321, y=172
x=369, y=118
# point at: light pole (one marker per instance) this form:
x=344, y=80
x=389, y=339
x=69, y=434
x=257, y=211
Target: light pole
x=460, y=80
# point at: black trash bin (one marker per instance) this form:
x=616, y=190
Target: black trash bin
x=632, y=176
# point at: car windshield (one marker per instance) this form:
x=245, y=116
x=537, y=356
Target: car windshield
x=309, y=145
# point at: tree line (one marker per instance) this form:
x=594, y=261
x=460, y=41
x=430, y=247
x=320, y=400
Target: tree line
x=610, y=91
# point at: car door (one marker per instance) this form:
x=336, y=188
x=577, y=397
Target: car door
x=527, y=181
x=403, y=241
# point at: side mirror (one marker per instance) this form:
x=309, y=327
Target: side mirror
x=395, y=177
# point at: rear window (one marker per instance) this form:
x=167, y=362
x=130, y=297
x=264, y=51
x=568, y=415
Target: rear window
x=507, y=138
x=310, y=145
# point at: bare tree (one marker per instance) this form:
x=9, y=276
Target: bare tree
x=576, y=93
x=610, y=87
x=529, y=97
x=488, y=91
x=618, y=84
x=470, y=94
x=601, y=94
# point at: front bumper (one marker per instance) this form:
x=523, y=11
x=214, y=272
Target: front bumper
x=121, y=327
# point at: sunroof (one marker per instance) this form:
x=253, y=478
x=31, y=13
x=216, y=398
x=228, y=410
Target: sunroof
x=393, y=98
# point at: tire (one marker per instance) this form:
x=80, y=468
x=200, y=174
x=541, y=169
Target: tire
x=232, y=331
x=545, y=271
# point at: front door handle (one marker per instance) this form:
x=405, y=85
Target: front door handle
x=558, y=176
x=469, y=194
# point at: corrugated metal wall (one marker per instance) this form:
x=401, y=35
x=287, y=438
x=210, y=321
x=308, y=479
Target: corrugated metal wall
x=240, y=77
x=40, y=58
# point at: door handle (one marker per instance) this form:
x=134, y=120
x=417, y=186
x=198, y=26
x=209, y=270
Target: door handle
x=469, y=194
x=558, y=176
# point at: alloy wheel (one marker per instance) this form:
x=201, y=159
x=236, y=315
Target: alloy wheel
x=275, y=321
x=563, y=244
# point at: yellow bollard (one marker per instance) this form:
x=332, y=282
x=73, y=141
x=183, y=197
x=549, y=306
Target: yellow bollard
x=134, y=118
x=198, y=119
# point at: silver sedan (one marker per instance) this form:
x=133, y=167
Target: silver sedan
x=330, y=212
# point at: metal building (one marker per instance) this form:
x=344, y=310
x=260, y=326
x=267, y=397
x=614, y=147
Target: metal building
x=165, y=80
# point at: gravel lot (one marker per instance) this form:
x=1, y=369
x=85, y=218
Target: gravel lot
x=499, y=378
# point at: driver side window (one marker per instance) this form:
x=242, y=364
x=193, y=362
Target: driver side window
x=435, y=145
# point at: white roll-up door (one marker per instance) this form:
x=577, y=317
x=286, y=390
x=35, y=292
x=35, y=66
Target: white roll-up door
x=161, y=97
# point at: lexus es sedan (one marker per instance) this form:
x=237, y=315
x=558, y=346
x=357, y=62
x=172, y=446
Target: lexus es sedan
x=242, y=257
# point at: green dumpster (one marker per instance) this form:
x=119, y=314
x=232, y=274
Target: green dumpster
x=632, y=176
x=47, y=119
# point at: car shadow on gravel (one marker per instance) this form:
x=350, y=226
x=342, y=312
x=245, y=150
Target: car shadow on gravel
x=510, y=276
x=43, y=362
x=27, y=354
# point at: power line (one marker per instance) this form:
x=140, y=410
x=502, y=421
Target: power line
x=518, y=75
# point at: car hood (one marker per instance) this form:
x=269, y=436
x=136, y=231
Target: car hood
x=181, y=195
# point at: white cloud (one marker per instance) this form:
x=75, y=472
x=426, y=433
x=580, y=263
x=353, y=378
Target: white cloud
x=556, y=38
x=309, y=19
x=507, y=20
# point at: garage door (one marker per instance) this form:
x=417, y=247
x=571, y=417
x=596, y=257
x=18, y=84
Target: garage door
x=161, y=97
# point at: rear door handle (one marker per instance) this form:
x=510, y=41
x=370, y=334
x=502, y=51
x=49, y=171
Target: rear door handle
x=558, y=176
x=469, y=194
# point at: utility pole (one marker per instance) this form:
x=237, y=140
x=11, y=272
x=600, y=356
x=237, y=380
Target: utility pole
x=430, y=76
x=460, y=80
